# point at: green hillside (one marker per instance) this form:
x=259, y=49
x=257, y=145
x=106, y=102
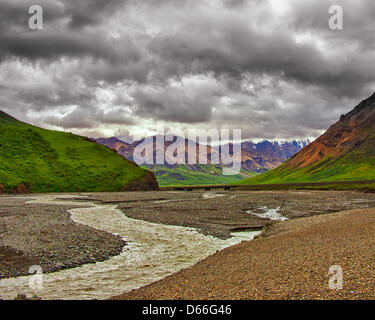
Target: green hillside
x=207, y=175
x=50, y=161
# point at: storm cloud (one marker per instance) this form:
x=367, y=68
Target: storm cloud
x=273, y=68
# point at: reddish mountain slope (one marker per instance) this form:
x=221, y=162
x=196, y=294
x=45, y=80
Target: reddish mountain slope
x=345, y=152
x=351, y=131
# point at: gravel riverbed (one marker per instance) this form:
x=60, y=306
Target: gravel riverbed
x=45, y=235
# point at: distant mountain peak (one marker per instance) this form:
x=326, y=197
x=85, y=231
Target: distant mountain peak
x=109, y=140
x=255, y=157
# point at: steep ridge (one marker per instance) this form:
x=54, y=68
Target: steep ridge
x=345, y=152
x=349, y=133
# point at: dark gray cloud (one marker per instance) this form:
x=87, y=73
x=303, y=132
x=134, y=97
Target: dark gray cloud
x=77, y=14
x=193, y=99
x=272, y=67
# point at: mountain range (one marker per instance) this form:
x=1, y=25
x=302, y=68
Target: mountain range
x=33, y=159
x=255, y=158
x=345, y=152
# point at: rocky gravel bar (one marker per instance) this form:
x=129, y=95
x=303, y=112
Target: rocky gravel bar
x=45, y=235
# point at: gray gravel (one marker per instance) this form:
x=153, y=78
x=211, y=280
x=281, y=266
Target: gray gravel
x=220, y=216
x=45, y=235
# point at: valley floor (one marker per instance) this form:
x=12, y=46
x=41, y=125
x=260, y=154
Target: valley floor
x=291, y=260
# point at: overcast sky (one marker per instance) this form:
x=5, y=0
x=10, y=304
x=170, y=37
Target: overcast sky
x=113, y=67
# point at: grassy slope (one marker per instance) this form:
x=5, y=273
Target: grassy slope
x=356, y=165
x=53, y=161
x=197, y=178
